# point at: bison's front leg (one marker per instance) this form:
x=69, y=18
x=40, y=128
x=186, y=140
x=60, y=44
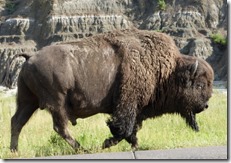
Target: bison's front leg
x=121, y=126
x=132, y=139
x=191, y=120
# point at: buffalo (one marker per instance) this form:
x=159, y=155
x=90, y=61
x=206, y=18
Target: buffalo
x=129, y=74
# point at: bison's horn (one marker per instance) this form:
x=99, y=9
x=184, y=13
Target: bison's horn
x=194, y=67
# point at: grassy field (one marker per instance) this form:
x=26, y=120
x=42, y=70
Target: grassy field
x=169, y=131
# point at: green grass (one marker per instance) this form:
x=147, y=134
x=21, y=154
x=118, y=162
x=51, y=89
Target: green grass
x=169, y=131
x=161, y=4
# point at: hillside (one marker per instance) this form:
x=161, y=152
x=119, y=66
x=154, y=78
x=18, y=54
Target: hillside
x=29, y=25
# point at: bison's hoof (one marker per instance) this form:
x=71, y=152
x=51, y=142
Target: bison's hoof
x=14, y=150
x=109, y=142
x=134, y=147
x=195, y=128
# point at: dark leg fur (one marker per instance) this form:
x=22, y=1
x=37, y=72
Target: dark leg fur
x=121, y=126
x=60, y=126
x=27, y=103
x=191, y=121
x=20, y=118
x=132, y=139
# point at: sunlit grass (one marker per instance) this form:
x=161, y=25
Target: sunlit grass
x=168, y=131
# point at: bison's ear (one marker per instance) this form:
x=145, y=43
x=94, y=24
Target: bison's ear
x=193, y=68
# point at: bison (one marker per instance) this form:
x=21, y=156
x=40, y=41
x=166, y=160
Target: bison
x=130, y=74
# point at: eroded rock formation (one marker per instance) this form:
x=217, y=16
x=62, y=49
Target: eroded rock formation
x=29, y=25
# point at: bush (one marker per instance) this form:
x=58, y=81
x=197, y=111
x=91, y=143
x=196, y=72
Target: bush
x=161, y=4
x=56, y=140
x=10, y=6
x=219, y=39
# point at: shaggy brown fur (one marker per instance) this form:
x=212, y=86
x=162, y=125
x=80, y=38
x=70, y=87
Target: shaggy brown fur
x=132, y=75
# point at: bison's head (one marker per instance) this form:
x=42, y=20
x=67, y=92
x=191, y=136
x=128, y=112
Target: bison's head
x=195, y=79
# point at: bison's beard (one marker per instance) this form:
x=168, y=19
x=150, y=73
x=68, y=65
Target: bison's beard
x=190, y=118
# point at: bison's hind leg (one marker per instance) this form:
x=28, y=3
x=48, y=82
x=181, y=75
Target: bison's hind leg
x=60, y=126
x=27, y=103
x=20, y=118
x=60, y=122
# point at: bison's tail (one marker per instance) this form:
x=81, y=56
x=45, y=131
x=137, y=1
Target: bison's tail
x=6, y=80
x=25, y=55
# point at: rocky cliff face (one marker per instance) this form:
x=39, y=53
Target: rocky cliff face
x=28, y=25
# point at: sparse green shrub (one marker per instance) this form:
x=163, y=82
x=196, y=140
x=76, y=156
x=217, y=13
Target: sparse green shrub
x=161, y=4
x=159, y=30
x=10, y=6
x=219, y=39
x=56, y=140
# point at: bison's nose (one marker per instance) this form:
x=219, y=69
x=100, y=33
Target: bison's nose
x=206, y=106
